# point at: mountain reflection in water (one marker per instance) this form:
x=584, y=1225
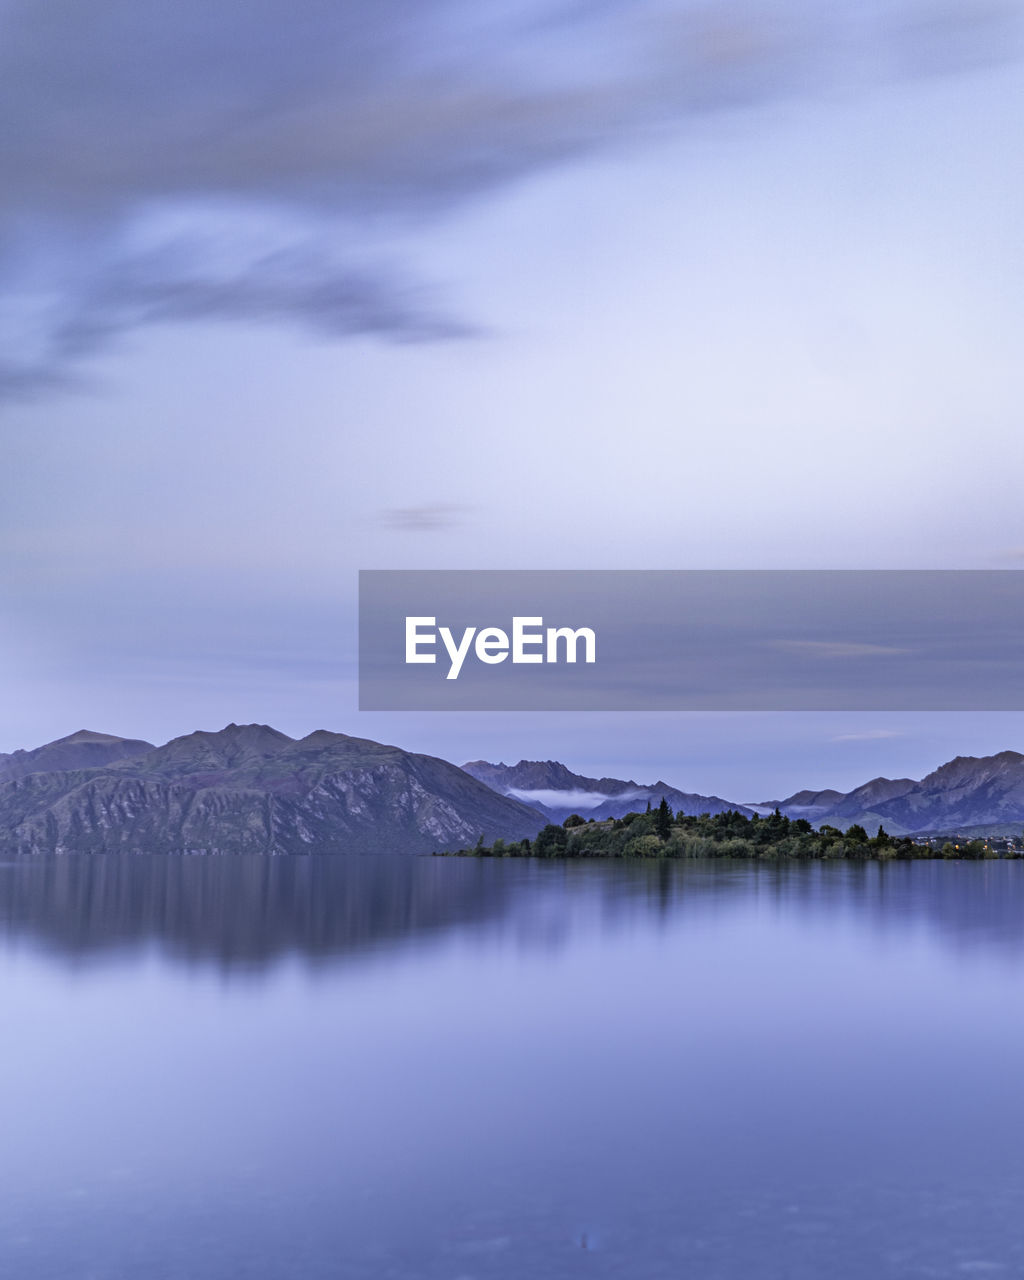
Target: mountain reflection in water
x=463, y=1069
x=248, y=911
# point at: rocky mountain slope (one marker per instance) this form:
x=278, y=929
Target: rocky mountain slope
x=550, y=787
x=970, y=793
x=250, y=789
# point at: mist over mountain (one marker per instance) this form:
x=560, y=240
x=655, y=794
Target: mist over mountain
x=550, y=787
x=252, y=789
x=802, y=804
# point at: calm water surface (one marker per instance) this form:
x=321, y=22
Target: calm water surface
x=232, y=1068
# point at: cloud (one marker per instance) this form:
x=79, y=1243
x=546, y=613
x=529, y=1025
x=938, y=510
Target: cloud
x=338, y=116
x=431, y=517
x=182, y=280
x=582, y=800
x=839, y=649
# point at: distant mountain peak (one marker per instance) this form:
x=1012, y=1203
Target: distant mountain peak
x=253, y=735
x=1007, y=756
x=83, y=749
x=251, y=731
x=210, y=751
x=87, y=735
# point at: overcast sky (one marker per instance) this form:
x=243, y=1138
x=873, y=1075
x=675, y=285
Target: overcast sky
x=291, y=290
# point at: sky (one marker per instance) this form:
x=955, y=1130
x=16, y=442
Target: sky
x=293, y=290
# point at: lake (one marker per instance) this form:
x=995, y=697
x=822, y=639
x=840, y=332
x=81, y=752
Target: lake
x=458, y=1068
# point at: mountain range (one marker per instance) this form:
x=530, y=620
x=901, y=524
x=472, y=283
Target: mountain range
x=245, y=789
x=253, y=789
x=556, y=792
x=972, y=795
x=969, y=795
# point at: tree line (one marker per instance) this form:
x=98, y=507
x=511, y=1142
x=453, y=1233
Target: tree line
x=659, y=833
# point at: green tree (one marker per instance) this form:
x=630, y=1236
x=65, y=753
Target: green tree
x=644, y=847
x=551, y=841
x=663, y=819
x=776, y=826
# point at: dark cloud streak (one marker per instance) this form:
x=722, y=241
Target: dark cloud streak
x=297, y=287
x=339, y=116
